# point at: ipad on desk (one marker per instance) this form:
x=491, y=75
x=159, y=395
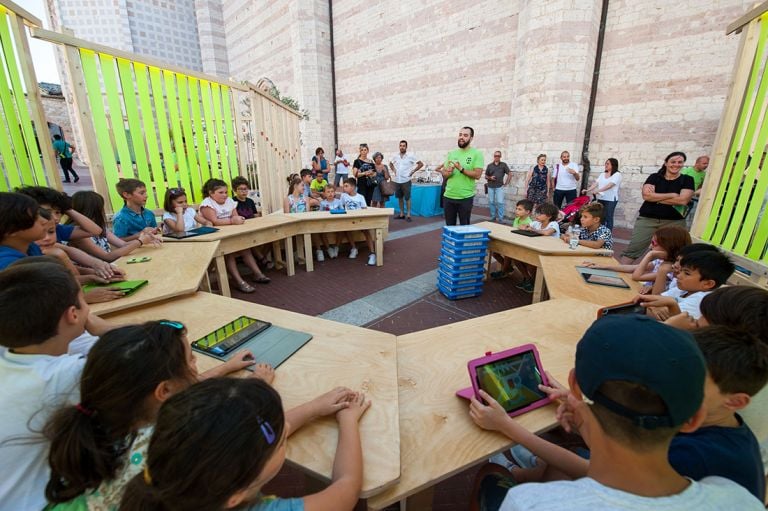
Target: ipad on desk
x=602, y=277
x=622, y=308
x=128, y=287
x=189, y=234
x=512, y=377
x=269, y=343
x=524, y=232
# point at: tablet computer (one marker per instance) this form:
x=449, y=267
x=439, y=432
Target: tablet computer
x=512, y=377
x=128, y=287
x=530, y=234
x=622, y=308
x=230, y=337
x=602, y=277
x=194, y=232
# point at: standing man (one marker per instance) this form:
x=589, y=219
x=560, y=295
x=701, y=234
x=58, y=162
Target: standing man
x=498, y=175
x=697, y=173
x=64, y=151
x=461, y=169
x=341, y=165
x=567, y=176
x=403, y=165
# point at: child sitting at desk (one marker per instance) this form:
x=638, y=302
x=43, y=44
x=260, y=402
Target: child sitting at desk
x=317, y=186
x=20, y=226
x=246, y=208
x=296, y=201
x=545, y=222
x=352, y=201
x=593, y=233
x=192, y=465
x=117, y=407
x=91, y=205
x=329, y=203
x=700, y=273
x=133, y=218
x=178, y=216
x=523, y=210
x=219, y=209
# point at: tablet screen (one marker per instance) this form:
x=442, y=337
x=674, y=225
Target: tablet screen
x=605, y=280
x=231, y=335
x=513, y=382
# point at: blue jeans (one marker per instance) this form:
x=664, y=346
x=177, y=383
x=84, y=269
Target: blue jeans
x=609, y=206
x=496, y=203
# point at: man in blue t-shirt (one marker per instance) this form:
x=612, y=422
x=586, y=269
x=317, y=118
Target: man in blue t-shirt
x=64, y=151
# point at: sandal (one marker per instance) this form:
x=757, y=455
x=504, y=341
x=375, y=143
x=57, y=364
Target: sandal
x=262, y=280
x=245, y=287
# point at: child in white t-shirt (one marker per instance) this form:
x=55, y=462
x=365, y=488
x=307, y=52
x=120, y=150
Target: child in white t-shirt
x=178, y=216
x=351, y=201
x=545, y=220
x=219, y=209
x=329, y=203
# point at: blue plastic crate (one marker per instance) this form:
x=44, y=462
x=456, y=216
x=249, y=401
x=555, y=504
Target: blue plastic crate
x=452, y=282
x=459, y=267
x=463, y=252
x=456, y=260
x=458, y=295
x=469, y=272
x=462, y=244
x=465, y=232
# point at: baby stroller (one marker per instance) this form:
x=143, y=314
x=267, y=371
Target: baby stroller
x=571, y=212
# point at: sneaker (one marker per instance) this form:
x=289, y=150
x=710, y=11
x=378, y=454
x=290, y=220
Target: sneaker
x=501, y=460
x=371, y=259
x=333, y=252
x=523, y=457
x=528, y=287
x=77, y=178
x=353, y=253
x=496, y=275
x=319, y=255
x=522, y=284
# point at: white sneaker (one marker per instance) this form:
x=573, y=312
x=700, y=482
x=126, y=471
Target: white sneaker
x=333, y=251
x=353, y=253
x=319, y=255
x=372, y=260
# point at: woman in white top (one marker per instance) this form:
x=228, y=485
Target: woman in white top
x=606, y=188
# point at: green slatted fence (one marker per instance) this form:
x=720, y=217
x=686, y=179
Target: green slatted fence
x=732, y=213
x=26, y=154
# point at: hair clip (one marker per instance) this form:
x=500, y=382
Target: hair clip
x=267, y=431
x=82, y=409
x=172, y=324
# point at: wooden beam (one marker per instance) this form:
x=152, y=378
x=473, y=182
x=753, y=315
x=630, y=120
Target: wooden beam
x=69, y=40
x=753, y=13
x=29, y=18
x=270, y=98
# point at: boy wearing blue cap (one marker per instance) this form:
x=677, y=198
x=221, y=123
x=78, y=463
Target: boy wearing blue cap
x=630, y=395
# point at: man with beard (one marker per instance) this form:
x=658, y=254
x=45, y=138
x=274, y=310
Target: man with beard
x=461, y=169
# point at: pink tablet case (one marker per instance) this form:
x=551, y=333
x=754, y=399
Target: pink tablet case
x=472, y=366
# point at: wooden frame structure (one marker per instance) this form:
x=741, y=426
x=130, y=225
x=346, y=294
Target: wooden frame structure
x=732, y=210
x=26, y=154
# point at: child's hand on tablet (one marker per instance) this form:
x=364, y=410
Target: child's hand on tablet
x=555, y=390
x=239, y=360
x=491, y=416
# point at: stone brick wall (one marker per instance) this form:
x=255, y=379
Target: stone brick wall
x=56, y=112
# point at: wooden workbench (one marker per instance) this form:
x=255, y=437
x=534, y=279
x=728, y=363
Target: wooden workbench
x=176, y=269
x=438, y=438
x=530, y=249
x=338, y=354
x=564, y=281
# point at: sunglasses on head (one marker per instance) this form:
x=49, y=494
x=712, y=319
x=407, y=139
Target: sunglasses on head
x=177, y=191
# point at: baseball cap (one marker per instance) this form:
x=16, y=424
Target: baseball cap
x=641, y=350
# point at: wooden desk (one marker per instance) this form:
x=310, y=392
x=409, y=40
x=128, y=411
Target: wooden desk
x=338, y=354
x=254, y=232
x=175, y=269
x=563, y=281
x=438, y=438
x=530, y=249
x=316, y=222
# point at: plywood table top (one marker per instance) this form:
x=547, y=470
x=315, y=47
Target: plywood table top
x=252, y=225
x=338, y=354
x=438, y=438
x=543, y=245
x=176, y=269
x=564, y=281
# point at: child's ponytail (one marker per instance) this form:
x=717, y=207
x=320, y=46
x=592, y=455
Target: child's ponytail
x=89, y=440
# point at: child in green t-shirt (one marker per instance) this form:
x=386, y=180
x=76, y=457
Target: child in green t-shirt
x=317, y=186
x=523, y=210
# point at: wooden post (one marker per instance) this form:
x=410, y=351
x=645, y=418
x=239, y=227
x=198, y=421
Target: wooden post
x=35, y=103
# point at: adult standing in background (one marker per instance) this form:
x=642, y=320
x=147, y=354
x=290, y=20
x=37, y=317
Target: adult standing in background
x=566, y=177
x=382, y=174
x=403, y=165
x=697, y=172
x=64, y=151
x=498, y=175
x=666, y=194
x=462, y=168
x=341, y=164
x=364, y=173
x=538, y=182
x=319, y=163
x=606, y=189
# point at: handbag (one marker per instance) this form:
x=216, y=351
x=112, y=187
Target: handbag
x=387, y=188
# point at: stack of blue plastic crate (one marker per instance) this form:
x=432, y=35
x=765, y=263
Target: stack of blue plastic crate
x=462, y=260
